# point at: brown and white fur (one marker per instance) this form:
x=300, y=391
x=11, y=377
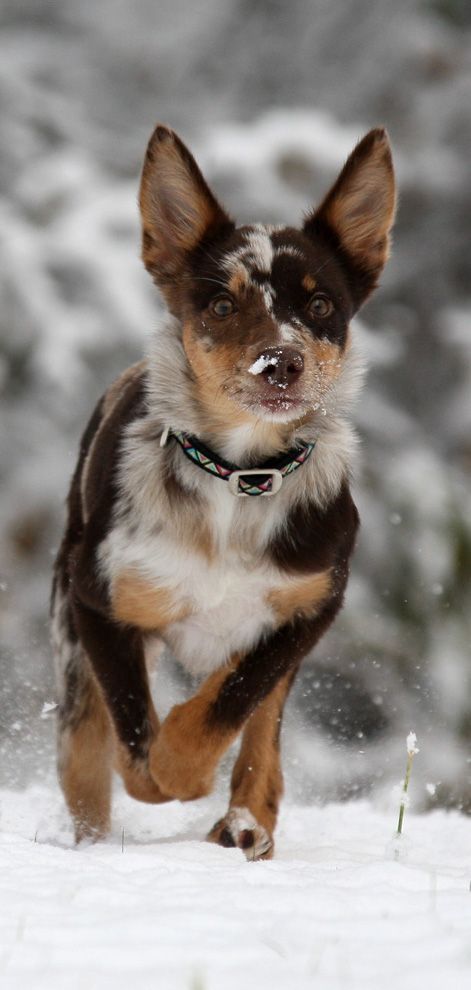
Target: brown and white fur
x=255, y=354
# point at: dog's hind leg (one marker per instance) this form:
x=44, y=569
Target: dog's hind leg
x=85, y=749
x=85, y=742
x=257, y=781
x=117, y=657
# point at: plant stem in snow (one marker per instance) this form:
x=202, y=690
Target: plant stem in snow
x=412, y=749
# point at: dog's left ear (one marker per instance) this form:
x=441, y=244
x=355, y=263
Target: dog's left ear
x=178, y=209
x=358, y=212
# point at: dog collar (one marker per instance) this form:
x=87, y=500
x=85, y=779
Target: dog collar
x=264, y=480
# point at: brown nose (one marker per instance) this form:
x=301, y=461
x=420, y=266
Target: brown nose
x=281, y=366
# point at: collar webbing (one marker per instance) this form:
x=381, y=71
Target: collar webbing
x=264, y=480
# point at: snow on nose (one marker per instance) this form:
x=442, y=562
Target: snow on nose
x=280, y=366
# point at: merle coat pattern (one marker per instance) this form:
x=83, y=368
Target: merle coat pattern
x=256, y=354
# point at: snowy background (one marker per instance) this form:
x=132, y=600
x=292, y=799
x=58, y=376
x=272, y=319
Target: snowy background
x=271, y=96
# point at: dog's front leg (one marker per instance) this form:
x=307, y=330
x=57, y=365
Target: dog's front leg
x=196, y=734
x=257, y=780
x=116, y=655
x=184, y=757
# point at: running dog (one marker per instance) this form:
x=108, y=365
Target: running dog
x=210, y=508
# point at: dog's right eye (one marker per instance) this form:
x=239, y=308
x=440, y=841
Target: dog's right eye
x=222, y=306
x=320, y=306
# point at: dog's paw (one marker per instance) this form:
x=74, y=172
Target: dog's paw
x=239, y=828
x=176, y=772
x=138, y=781
x=86, y=834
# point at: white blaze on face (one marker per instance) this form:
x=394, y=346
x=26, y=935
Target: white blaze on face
x=290, y=250
x=259, y=245
x=287, y=331
x=256, y=254
x=269, y=295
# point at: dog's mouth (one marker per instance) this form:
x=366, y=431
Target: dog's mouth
x=279, y=404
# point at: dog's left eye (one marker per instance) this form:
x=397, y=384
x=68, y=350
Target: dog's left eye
x=320, y=306
x=222, y=306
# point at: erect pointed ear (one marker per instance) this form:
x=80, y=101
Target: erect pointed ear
x=178, y=209
x=359, y=209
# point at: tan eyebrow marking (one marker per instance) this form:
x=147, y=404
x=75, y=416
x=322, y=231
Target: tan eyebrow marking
x=309, y=283
x=238, y=279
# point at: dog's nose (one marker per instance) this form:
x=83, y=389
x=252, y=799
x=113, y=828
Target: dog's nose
x=280, y=366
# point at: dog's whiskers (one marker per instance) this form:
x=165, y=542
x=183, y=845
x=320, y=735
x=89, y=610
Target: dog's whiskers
x=324, y=265
x=205, y=278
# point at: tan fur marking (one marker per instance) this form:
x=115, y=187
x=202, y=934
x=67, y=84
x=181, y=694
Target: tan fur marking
x=186, y=753
x=139, y=784
x=260, y=788
x=309, y=283
x=136, y=776
x=212, y=369
x=300, y=597
x=238, y=280
x=145, y=605
x=328, y=359
x=197, y=534
x=85, y=769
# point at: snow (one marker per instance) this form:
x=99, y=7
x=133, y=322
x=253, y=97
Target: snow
x=156, y=905
x=411, y=744
x=261, y=363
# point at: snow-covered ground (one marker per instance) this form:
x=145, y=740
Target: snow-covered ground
x=154, y=907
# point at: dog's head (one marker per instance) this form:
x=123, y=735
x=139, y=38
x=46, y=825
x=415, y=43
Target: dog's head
x=265, y=311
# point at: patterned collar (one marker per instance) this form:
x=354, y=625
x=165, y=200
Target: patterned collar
x=264, y=480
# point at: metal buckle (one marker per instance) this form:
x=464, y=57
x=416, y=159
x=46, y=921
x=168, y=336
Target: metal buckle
x=273, y=473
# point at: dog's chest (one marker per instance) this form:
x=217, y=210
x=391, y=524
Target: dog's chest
x=228, y=612
x=206, y=607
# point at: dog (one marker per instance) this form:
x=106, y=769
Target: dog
x=210, y=508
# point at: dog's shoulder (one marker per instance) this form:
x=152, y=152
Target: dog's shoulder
x=93, y=489
x=123, y=402
x=315, y=535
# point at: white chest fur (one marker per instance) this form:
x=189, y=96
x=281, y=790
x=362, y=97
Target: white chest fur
x=230, y=614
x=223, y=599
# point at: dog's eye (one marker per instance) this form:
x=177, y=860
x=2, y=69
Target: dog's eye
x=222, y=306
x=320, y=306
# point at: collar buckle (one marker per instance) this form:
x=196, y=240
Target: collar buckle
x=273, y=473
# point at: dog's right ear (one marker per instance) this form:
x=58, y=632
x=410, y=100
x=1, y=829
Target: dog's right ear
x=178, y=209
